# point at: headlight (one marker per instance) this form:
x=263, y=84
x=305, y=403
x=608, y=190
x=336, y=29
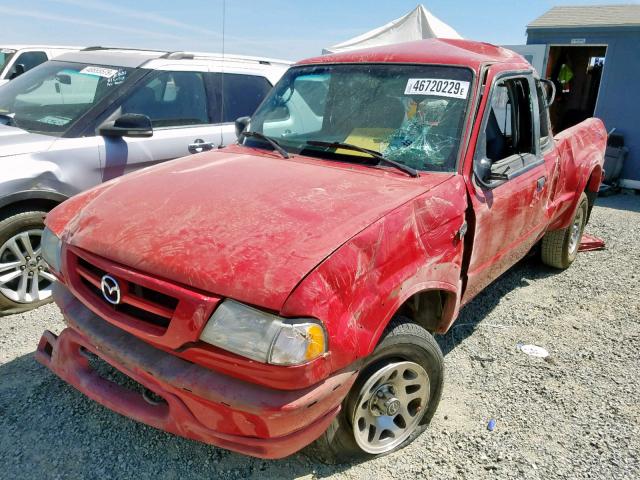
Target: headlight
x=264, y=337
x=51, y=248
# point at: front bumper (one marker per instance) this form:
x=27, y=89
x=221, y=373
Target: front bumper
x=197, y=403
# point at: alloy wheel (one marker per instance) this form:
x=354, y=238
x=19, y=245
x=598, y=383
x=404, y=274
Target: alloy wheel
x=24, y=275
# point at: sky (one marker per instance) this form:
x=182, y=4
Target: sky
x=290, y=30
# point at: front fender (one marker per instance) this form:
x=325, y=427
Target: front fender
x=357, y=290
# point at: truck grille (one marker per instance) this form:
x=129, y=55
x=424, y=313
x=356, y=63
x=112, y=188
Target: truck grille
x=137, y=302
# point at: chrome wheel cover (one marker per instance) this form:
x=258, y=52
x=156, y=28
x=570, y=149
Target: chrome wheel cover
x=24, y=275
x=390, y=406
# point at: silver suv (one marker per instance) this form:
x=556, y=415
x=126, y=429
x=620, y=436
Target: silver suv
x=89, y=116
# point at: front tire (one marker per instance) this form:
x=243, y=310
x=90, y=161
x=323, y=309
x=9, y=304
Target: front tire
x=25, y=281
x=560, y=247
x=393, y=400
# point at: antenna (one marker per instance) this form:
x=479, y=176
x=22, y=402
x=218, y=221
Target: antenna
x=222, y=96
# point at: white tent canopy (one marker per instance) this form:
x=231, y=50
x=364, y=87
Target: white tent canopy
x=418, y=24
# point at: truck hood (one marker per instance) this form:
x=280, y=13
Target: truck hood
x=15, y=141
x=235, y=224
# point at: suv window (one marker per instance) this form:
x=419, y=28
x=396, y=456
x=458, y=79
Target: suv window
x=509, y=129
x=29, y=60
x=52, y=97
x=171, y=99
x=242, y=95
x=5, y=57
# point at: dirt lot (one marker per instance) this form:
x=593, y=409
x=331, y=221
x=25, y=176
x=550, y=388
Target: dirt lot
x=575, y=415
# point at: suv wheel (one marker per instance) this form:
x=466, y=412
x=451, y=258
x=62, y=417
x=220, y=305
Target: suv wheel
x=392, y=401
x=25, y=281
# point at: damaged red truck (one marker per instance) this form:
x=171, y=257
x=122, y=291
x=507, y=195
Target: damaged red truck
x=285, y=291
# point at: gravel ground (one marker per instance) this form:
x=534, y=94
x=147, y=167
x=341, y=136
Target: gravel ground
x=574, y=415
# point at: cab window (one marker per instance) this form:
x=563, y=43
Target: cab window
x=509, y=128
x=544, y=115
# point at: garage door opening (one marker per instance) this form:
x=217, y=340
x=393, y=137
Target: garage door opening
x=577, y=72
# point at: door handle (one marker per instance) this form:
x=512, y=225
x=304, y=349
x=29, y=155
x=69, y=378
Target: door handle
x=540, y=183
x=200, y=145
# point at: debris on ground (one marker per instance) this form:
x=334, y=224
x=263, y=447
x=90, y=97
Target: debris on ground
x=533, y=350
x=590, y=242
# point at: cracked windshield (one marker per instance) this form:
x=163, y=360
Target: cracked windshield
x=410, y=114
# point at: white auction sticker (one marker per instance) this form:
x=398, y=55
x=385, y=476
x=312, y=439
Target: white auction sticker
x=99, y=71
x=437, y=86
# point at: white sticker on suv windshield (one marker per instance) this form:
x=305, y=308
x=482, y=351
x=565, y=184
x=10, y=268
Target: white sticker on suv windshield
x=438, y=87
x=55, y=120
x=99, y=71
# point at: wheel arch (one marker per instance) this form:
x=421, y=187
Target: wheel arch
x=592, y=187
x=26, y=200
x=434, y=306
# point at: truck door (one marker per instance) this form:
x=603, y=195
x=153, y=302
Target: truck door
x=509, y=187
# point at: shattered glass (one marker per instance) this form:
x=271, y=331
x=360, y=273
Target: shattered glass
x=411, y=114
x=420, y=142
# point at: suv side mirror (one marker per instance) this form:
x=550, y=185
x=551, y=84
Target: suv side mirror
x=63, y=78
x=241, y=125
x=18, y=69
x=127, y=125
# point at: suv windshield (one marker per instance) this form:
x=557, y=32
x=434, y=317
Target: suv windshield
x=51, y=97
x=5, y=57
x=413, y=114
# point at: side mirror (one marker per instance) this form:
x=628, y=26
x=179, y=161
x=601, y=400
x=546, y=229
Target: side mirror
x=241, y=125
x=127, y=125
x=550, y=91
x=483, y=169
x=18, y=69
x=63, y=78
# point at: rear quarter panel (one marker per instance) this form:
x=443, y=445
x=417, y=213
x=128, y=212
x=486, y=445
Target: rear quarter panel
x=581, y=149
x=357, y=290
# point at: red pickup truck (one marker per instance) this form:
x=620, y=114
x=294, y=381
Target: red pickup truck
x=286, y=290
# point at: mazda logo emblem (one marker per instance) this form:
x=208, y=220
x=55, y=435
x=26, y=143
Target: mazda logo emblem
x=110, y=289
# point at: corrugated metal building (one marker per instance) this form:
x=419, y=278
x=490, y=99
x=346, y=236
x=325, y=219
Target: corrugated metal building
x=592, y=53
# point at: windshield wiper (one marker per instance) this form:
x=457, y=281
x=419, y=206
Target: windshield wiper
x=274, y=144
x=377, y=155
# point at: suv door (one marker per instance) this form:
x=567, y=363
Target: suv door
x=178, y=106
x=189, y=115
x=509, y=203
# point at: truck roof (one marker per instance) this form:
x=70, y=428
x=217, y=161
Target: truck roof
x=466, y=53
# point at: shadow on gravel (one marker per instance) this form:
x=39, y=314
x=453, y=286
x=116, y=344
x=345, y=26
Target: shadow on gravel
x=529, y=269
x=50, y=430
x=630, y=203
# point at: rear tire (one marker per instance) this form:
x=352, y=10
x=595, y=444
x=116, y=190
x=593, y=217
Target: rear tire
x=405, y=347
x=20, y=234
x=560, y=247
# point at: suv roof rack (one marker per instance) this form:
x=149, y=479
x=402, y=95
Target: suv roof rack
x=182, y=55
x=98, y=47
